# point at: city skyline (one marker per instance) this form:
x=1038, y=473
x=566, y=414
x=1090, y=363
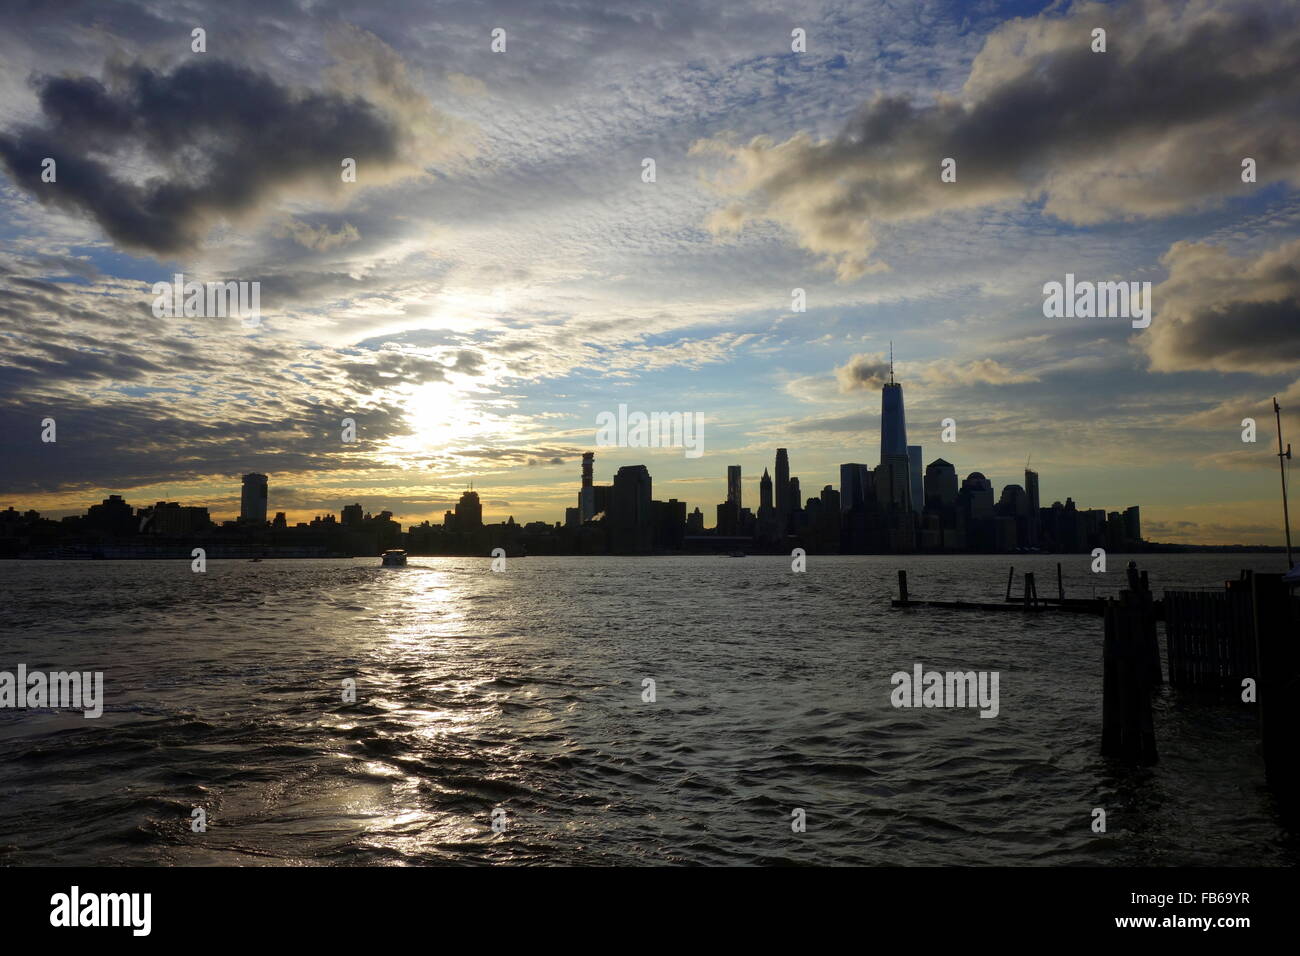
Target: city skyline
x=502, y=270
x=895, y=507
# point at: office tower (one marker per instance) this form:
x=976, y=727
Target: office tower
x=854, y=481
x=1132, y=524
x=893, y=423
x=765, y=493
x=630, y=517
x=1035, y=518
x=733, y=486
x=940, y=484
x=593, y=499
x=830, y=499
x=252, y=500
x=669, y=524
x=893, y=487
x=469, y=512
x=280, y=522
x=695, y=522
x=1014, y=503
x=1113, y=532
x=783, y=505
x=792, y=495
x=914, y=478
x=113, y=515
x=978, y=493
x=351, y=516
x=572, y=518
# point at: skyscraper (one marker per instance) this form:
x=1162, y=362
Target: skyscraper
x=469, y=512
x=733, y=486
x=914, y=476
x=783, y=485
x=893, y=423
x=1133, y=524
x=252, y=499
x=631, y=517
x=1034, y=525
x=854, y=480
x=940, y=484
x=765, y=493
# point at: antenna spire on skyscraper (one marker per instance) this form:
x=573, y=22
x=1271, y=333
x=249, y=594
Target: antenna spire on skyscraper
x=891, y=361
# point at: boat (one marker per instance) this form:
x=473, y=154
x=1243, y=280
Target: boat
x=736, y=554
x=393, y=559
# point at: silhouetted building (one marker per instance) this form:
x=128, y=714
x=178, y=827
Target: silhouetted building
x=892, y=483
x=1035, y=533
x=630, y=518
x=940, y=484
x=593, y=499
x=784, y=504
x=111, y=516
x=669, y=524
x=914, y=477
x=855, y=480
x=1133, y=525
x=252, y=500
x=733, y=485
x=469, y=512
x=977, y=491
x=352, y=516
x=695, y=522
x=893, y=422
x=765, y=493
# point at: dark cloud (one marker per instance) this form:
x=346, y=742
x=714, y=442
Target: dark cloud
x=223, y=138
x=1157, y=124
x=1219, y=312
x=863, y=373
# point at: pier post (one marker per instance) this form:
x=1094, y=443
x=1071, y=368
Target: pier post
x=902, y=586
x=1011, y=574
x=1060, y=584
x=1278, y=662
x=1127, y=729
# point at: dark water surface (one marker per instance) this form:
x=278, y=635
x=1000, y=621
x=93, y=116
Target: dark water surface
x=523, y=690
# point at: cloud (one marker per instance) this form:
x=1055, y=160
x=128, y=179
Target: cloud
x=211, y=140
x=319, y=238
x=1225, y=313
x=1157, y=124
x=983, y=371
x=863, y=372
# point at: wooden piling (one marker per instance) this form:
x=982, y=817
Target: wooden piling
x=902, y=586
x=1275, y=621
x=1060, y=583
x=1011, y=574
x=1031, y=591
x=1127, y=728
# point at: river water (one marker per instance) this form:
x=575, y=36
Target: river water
x=522, y=692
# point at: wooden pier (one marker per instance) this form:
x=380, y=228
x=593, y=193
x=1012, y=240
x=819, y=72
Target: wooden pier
x=1029, y=601
x=1239, y=645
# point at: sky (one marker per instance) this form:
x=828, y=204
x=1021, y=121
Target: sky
x=500, y=272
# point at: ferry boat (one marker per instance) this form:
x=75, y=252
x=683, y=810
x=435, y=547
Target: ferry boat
x=393, y=559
